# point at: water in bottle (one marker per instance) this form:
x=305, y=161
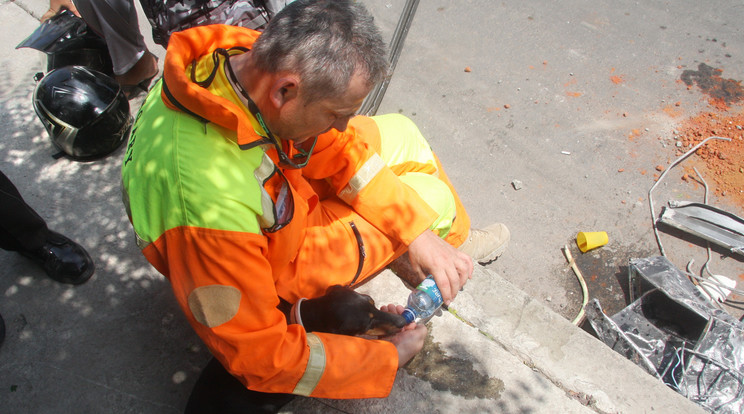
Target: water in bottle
x=423, y=302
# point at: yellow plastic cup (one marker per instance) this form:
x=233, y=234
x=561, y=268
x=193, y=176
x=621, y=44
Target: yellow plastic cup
x=587, y=240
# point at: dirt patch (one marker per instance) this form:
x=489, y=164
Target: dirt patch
x=723, y=92
x=720, y=162
x=445, y=373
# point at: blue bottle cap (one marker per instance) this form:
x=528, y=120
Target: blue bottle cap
x=409, y=315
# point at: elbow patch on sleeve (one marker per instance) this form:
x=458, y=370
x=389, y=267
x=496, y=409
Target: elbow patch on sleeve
x=214, y=305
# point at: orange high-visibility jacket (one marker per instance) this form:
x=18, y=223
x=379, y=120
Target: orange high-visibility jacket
x=234, y=233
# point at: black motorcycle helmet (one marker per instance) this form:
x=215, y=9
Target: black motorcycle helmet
x=67, y=40
x=84, y=111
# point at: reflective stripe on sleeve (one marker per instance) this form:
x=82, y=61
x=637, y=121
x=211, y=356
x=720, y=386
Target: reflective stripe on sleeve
x=362, y=177
x=315, y=367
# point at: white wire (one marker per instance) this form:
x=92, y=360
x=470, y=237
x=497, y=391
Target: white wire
x=711, y=280
x=714, y=282
x=650, y=191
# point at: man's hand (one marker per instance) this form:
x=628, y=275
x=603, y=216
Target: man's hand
x=55, y=6
x=409, y=340
x=430, y=255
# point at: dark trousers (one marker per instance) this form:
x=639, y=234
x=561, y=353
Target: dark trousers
x=21, y=228
x=218, y=392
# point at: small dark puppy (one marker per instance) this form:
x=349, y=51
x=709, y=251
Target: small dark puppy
x=343, y=311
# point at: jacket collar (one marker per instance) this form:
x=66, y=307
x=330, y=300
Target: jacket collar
x=186, y=47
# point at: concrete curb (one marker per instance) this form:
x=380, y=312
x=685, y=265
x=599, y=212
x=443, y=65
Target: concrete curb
x=510, y=354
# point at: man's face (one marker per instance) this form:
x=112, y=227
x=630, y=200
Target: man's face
x=300, y=120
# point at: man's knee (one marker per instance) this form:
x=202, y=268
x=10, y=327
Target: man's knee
x=437, y=195
x=402, y=142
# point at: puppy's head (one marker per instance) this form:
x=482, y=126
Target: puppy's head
x=343, y=311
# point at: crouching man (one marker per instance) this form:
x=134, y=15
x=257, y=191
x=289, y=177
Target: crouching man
x=252, y=185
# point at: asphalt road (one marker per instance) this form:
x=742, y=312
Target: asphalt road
x=569, y=102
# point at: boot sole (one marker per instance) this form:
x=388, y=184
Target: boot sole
x=493, y=256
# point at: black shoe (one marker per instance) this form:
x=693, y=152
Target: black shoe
x=62, y=259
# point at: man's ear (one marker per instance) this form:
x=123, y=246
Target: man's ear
x=283, y=90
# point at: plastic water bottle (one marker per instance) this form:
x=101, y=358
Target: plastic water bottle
x=423, y=301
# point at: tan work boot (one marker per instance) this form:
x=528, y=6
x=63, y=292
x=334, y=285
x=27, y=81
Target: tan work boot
x=484, y=246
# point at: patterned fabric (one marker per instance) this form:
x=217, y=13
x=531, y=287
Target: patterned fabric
x=169, y=16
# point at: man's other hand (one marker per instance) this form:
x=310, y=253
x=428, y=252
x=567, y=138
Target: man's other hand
x=451, y=269
x=409, y=340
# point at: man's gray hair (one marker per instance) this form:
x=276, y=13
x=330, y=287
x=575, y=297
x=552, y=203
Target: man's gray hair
x=325, y=42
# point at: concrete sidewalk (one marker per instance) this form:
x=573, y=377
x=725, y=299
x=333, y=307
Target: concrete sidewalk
x=119, y=343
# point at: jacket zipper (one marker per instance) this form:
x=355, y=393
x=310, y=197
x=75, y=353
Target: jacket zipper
x=362, y=254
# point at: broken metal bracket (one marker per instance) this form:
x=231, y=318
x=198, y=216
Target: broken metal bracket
x=651, y=190
x=707, y=222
